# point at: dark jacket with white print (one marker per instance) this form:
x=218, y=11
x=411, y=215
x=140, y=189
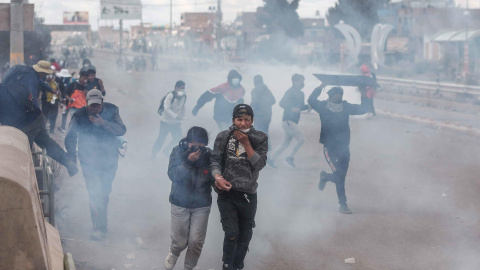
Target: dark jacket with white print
x=231, y=161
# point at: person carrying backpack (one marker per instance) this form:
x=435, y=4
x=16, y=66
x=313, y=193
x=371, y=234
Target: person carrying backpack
x=172, y=111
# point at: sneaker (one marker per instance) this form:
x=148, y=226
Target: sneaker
x=345, y=210
x=226, y=267
x=62, y=130
x=97, y=235
x=271, y=163
x=71, y=168
x=289, y=162
x=170, y=261
x=323, y=180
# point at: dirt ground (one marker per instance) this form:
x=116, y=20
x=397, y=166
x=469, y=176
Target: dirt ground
x=413, y=190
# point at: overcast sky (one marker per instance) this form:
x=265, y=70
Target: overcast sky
x=52, y=10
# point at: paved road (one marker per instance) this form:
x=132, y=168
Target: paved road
x=413, y=190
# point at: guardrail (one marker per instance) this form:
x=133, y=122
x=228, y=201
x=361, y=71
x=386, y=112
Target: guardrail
x=45, y=184
x=430, y=88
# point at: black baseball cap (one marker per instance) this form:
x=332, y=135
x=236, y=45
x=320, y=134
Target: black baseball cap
x=242, y=109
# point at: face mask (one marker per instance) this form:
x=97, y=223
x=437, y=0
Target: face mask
x=337, y=101
x=180, y=93
x=235, y=81
x=245, y=130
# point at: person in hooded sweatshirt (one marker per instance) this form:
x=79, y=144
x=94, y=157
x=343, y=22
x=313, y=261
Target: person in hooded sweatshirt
x=226, y=96
x=293, y=103
x=335, y=137
x=262, y=103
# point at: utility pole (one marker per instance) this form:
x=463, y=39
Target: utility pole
x=219, y=24
x=170, y=27
x=16, y=33
x=466, y=65
x=121, y=38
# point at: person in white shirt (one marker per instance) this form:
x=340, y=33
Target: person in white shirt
x=172, y=111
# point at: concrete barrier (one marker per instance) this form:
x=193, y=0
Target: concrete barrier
x=26, y=242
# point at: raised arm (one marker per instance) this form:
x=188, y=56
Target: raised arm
x=313, y=98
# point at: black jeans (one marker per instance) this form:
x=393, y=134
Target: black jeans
x=369, y=105
x=237, y=212
x=99, y=185
x=37, y=132
x=165, y=128
x=338, y=158
x=51, y=112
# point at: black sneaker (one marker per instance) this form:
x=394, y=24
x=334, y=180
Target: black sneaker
x=226, y=267
x=345, y=210
x=271, y=163
x=323, y=180
x=62, y=130
x=289, y=162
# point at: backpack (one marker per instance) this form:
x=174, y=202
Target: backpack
x=162, y=106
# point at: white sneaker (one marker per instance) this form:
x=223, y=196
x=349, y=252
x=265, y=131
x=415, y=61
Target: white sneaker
x=170, y=261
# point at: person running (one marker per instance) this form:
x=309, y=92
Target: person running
x=226, y=95
x=172, y=113
x=50, y=101
x=335, y=137
x=368, y=92
x=95, y=128
x=76, y=93
x=262, y=102
x=293, y=103
x=239, y=154
x=94, y=82
x=190, y=197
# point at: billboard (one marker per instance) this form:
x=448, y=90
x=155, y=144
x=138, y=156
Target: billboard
x=121, y=10
x=75, y=17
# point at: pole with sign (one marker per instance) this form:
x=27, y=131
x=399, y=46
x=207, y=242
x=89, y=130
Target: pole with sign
x=121, y=10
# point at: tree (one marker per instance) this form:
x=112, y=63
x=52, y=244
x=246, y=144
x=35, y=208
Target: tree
x=361, y=14
x=281, y=15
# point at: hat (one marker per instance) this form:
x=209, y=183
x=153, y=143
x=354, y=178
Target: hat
x=242, y=109
x=94, y=96
x=43, y=66
x=64, y=73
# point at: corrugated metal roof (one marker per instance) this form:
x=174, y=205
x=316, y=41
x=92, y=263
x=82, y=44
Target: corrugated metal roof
x=456, y=36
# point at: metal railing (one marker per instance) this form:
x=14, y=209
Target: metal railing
x=45, y=182
x=428, y=87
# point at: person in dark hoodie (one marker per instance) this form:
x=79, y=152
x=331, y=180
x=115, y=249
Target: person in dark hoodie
x=262, y=102
x=190, y=196
x=226, y=95
x=335, y=137
x=239, y=154
x=293, y=103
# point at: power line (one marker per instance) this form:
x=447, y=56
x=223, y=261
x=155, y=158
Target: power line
x=154, y=5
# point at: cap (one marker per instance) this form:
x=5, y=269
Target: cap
x=94, y=96
x=242, y=109
x=43, y=66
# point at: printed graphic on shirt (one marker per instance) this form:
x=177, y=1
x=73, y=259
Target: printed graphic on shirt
x=236, y=149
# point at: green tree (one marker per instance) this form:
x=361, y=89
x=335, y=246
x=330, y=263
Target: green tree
x=361, y=14
x=281, y=15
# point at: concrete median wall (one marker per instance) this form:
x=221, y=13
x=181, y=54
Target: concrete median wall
x=23, y=236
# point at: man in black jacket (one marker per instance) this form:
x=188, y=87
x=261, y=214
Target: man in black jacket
x=335, y=137
x=96, y=127
x=238, y=156
x=293, y=103
x=262, y=102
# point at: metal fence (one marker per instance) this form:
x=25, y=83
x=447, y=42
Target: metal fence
x=45, y=182
x=429, y=88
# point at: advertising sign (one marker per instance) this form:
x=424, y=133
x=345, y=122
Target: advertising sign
x=75, y=17
x=121, y=10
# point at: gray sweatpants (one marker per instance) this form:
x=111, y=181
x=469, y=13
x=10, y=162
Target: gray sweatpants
x=189, y=228
x=291, y=131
